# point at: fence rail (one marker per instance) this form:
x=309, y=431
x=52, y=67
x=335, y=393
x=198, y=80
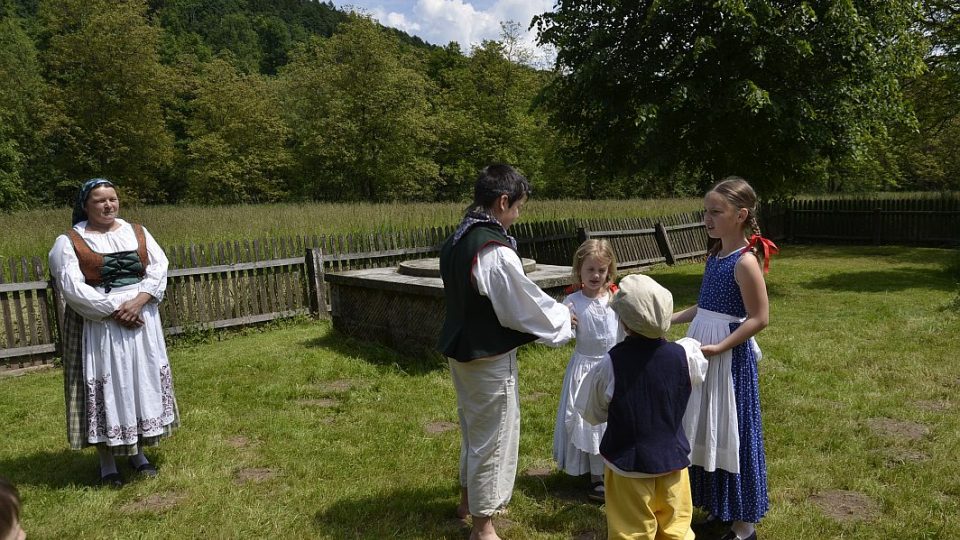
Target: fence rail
x=244, y=282
x=29, y=323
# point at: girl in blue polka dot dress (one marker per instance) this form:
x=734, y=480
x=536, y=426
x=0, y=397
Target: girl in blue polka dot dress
x=728, y=472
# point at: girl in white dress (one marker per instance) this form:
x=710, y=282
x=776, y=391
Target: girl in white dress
x=117, y=379
x=576, y=443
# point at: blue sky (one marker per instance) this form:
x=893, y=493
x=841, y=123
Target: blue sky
x=467, y=22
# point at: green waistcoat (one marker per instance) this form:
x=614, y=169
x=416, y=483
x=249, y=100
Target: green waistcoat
x=471, y=328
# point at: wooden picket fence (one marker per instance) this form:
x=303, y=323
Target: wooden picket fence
x=250, y=281
x=220, y=285
x=929, y=221
x=643, y=242
x=29, y=329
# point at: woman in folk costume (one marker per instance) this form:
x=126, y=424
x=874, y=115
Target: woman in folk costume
x=117, y=380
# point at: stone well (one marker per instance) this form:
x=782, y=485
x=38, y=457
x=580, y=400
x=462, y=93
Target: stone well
x=402, y=306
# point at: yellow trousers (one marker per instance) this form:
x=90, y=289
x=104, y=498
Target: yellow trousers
x=658, y=508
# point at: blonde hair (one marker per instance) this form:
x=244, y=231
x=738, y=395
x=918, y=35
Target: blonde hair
x=740, y=194
x=597, y=248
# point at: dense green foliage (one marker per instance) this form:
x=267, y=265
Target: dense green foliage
x=928, y=157
x=251, y=101
x=245, y=101
x=783, y=92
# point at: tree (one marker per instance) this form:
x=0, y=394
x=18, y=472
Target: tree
x=776, y=91
x=238, y=139
x=108, y=89
x=362, y=117
x=21, y=88
x=485, y=114
x=928, y=154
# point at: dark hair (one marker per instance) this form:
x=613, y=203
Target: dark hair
x=496, y=180
x=9, y=507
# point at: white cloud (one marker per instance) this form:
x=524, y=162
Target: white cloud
x=399, y=21
x=442, y=21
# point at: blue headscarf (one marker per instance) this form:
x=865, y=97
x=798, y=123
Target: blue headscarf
x=79, y=213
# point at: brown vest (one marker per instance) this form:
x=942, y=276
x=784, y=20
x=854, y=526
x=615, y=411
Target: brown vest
x=91, y=262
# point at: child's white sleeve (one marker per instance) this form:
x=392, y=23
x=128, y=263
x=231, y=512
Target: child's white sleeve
x=696, y=362
x=595, y=392
x=518, y=302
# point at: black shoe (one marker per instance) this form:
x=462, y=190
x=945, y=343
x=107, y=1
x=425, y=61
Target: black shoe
x=711, y=526
x=597, y=492
x=112, y=481
x=733, y=536
x=147, y=470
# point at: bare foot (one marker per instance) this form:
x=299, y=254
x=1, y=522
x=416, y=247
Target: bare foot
x=483, y=529
x=476, y=535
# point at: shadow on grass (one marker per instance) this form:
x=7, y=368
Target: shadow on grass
x=575, y=506
x=429, y=513
x=885, y=280
x=401, y=513
x=55, y=470
x=378, y=355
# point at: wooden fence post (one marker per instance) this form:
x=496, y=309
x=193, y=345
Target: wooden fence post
x=663, y=242
x=316, y=284
x=877, y=226
x=788, y=221
x=583, y=234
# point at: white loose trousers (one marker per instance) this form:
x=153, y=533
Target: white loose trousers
x=488, y=404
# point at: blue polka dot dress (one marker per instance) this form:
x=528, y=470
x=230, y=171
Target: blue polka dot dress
x=740, y=495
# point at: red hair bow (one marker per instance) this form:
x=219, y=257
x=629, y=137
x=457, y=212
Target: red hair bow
x=768, y=248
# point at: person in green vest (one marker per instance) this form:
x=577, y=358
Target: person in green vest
x=491, y=309
x=118, y=385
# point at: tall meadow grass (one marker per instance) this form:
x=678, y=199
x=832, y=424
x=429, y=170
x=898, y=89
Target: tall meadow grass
x=32, y=232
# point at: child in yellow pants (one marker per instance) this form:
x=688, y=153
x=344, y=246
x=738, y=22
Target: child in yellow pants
x=658, y=507
x=641, y=389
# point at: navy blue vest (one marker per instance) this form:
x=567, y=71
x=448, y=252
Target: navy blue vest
x=471, y=328
x=645, y=417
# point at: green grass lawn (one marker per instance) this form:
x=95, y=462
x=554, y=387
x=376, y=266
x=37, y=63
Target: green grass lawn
x=295, y=431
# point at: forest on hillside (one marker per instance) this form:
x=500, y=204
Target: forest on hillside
x=247, y=101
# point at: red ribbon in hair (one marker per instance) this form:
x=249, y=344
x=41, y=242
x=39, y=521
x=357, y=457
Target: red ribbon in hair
x=768, y=248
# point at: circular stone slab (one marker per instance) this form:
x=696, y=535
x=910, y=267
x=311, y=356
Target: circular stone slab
x=431, y=267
